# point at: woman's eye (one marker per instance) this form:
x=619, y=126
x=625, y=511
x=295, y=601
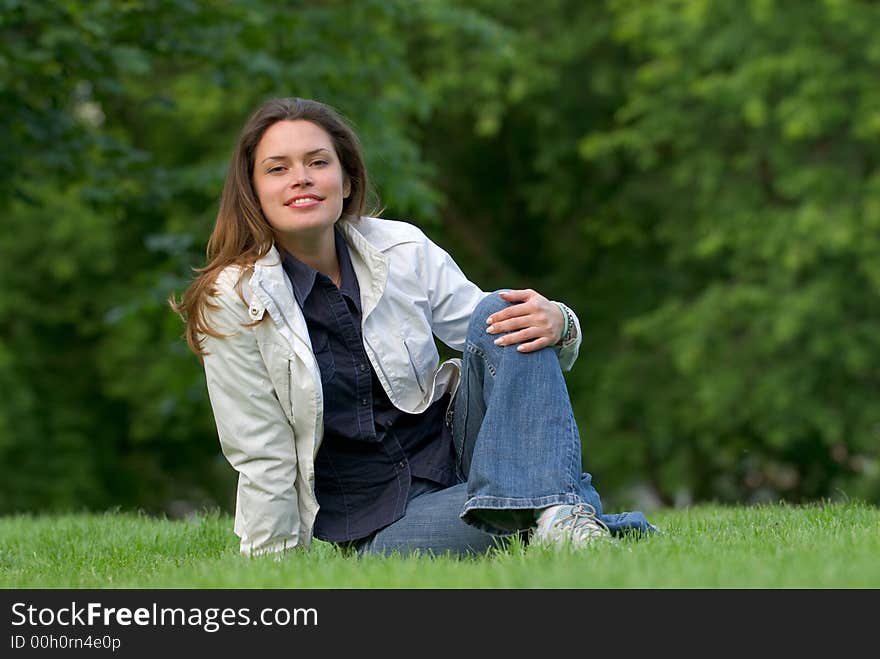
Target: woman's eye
x=319, y=163
x=276, y=169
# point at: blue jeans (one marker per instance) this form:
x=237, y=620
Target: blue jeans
x=517, y=448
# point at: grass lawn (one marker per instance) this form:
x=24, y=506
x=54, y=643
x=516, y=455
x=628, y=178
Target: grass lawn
x=780, y=546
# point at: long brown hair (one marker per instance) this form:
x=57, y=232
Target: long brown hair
x=241, y=234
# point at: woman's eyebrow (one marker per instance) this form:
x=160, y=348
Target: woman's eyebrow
x=307, y=155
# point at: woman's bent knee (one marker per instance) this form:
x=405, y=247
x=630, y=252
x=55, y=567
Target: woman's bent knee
x=490, y=304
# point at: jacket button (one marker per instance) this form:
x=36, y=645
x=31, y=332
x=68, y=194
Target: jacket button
x=363, y=368
x=401, y=465
x=255, y=312
x=364, y=401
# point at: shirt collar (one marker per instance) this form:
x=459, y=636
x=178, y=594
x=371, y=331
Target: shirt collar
x=350, y=287
x=303, y=276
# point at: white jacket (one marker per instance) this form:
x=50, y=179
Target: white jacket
x=265, y=386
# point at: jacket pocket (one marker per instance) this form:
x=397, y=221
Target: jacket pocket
x=277, y=360
x=414, y=366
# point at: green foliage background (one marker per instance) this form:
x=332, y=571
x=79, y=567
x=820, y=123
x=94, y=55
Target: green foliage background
x=699, y=179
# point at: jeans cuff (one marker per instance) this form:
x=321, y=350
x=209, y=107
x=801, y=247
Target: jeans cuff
x=487, y=513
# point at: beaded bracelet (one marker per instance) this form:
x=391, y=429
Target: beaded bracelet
x=567, y=328
x=571, y=334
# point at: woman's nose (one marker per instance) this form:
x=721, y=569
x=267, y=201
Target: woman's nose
x=301, y=178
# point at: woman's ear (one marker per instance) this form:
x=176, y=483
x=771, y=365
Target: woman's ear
x=346, y=187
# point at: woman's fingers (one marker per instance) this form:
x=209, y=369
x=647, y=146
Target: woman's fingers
x=519, y=307
x=531, y=346
x=536, y=320
x=526, y=334
x=518, y=294
x=526, y=321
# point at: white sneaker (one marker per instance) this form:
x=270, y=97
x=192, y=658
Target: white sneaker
x=572, y=524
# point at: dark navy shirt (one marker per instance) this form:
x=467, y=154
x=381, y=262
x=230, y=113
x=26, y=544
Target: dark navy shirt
x=370, y=450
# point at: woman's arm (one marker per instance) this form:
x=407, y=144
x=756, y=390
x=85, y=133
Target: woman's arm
x=254, y=432
x=452, y=296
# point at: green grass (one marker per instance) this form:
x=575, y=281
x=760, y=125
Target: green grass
x=781, y=546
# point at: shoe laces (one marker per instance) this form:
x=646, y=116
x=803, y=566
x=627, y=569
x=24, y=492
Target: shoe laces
x=582, y=520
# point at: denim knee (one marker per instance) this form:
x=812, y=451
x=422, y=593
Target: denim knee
x=490, y=304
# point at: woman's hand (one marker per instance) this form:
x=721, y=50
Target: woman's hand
x=532, y=320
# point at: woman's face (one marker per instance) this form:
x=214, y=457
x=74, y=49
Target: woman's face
x=299, y=180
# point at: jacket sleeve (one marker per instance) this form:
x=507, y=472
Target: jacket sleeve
x=454, y=298
x=568, y=353
x=254, y=432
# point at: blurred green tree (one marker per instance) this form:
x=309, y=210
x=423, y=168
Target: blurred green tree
x=700, y=179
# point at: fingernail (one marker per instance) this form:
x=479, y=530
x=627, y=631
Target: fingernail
x=490, y=330
x=489, y=320
x=498, y=341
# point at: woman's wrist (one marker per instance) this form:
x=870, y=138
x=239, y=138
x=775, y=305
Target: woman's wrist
x=569, y=330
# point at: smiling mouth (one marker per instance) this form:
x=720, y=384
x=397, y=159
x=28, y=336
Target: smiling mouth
x=302, y=202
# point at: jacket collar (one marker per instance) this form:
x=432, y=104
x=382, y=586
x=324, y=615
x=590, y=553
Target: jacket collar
x=370, y=265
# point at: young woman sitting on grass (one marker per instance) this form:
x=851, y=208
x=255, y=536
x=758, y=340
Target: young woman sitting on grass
x=316, y=327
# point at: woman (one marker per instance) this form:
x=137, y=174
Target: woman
x=316, y=326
